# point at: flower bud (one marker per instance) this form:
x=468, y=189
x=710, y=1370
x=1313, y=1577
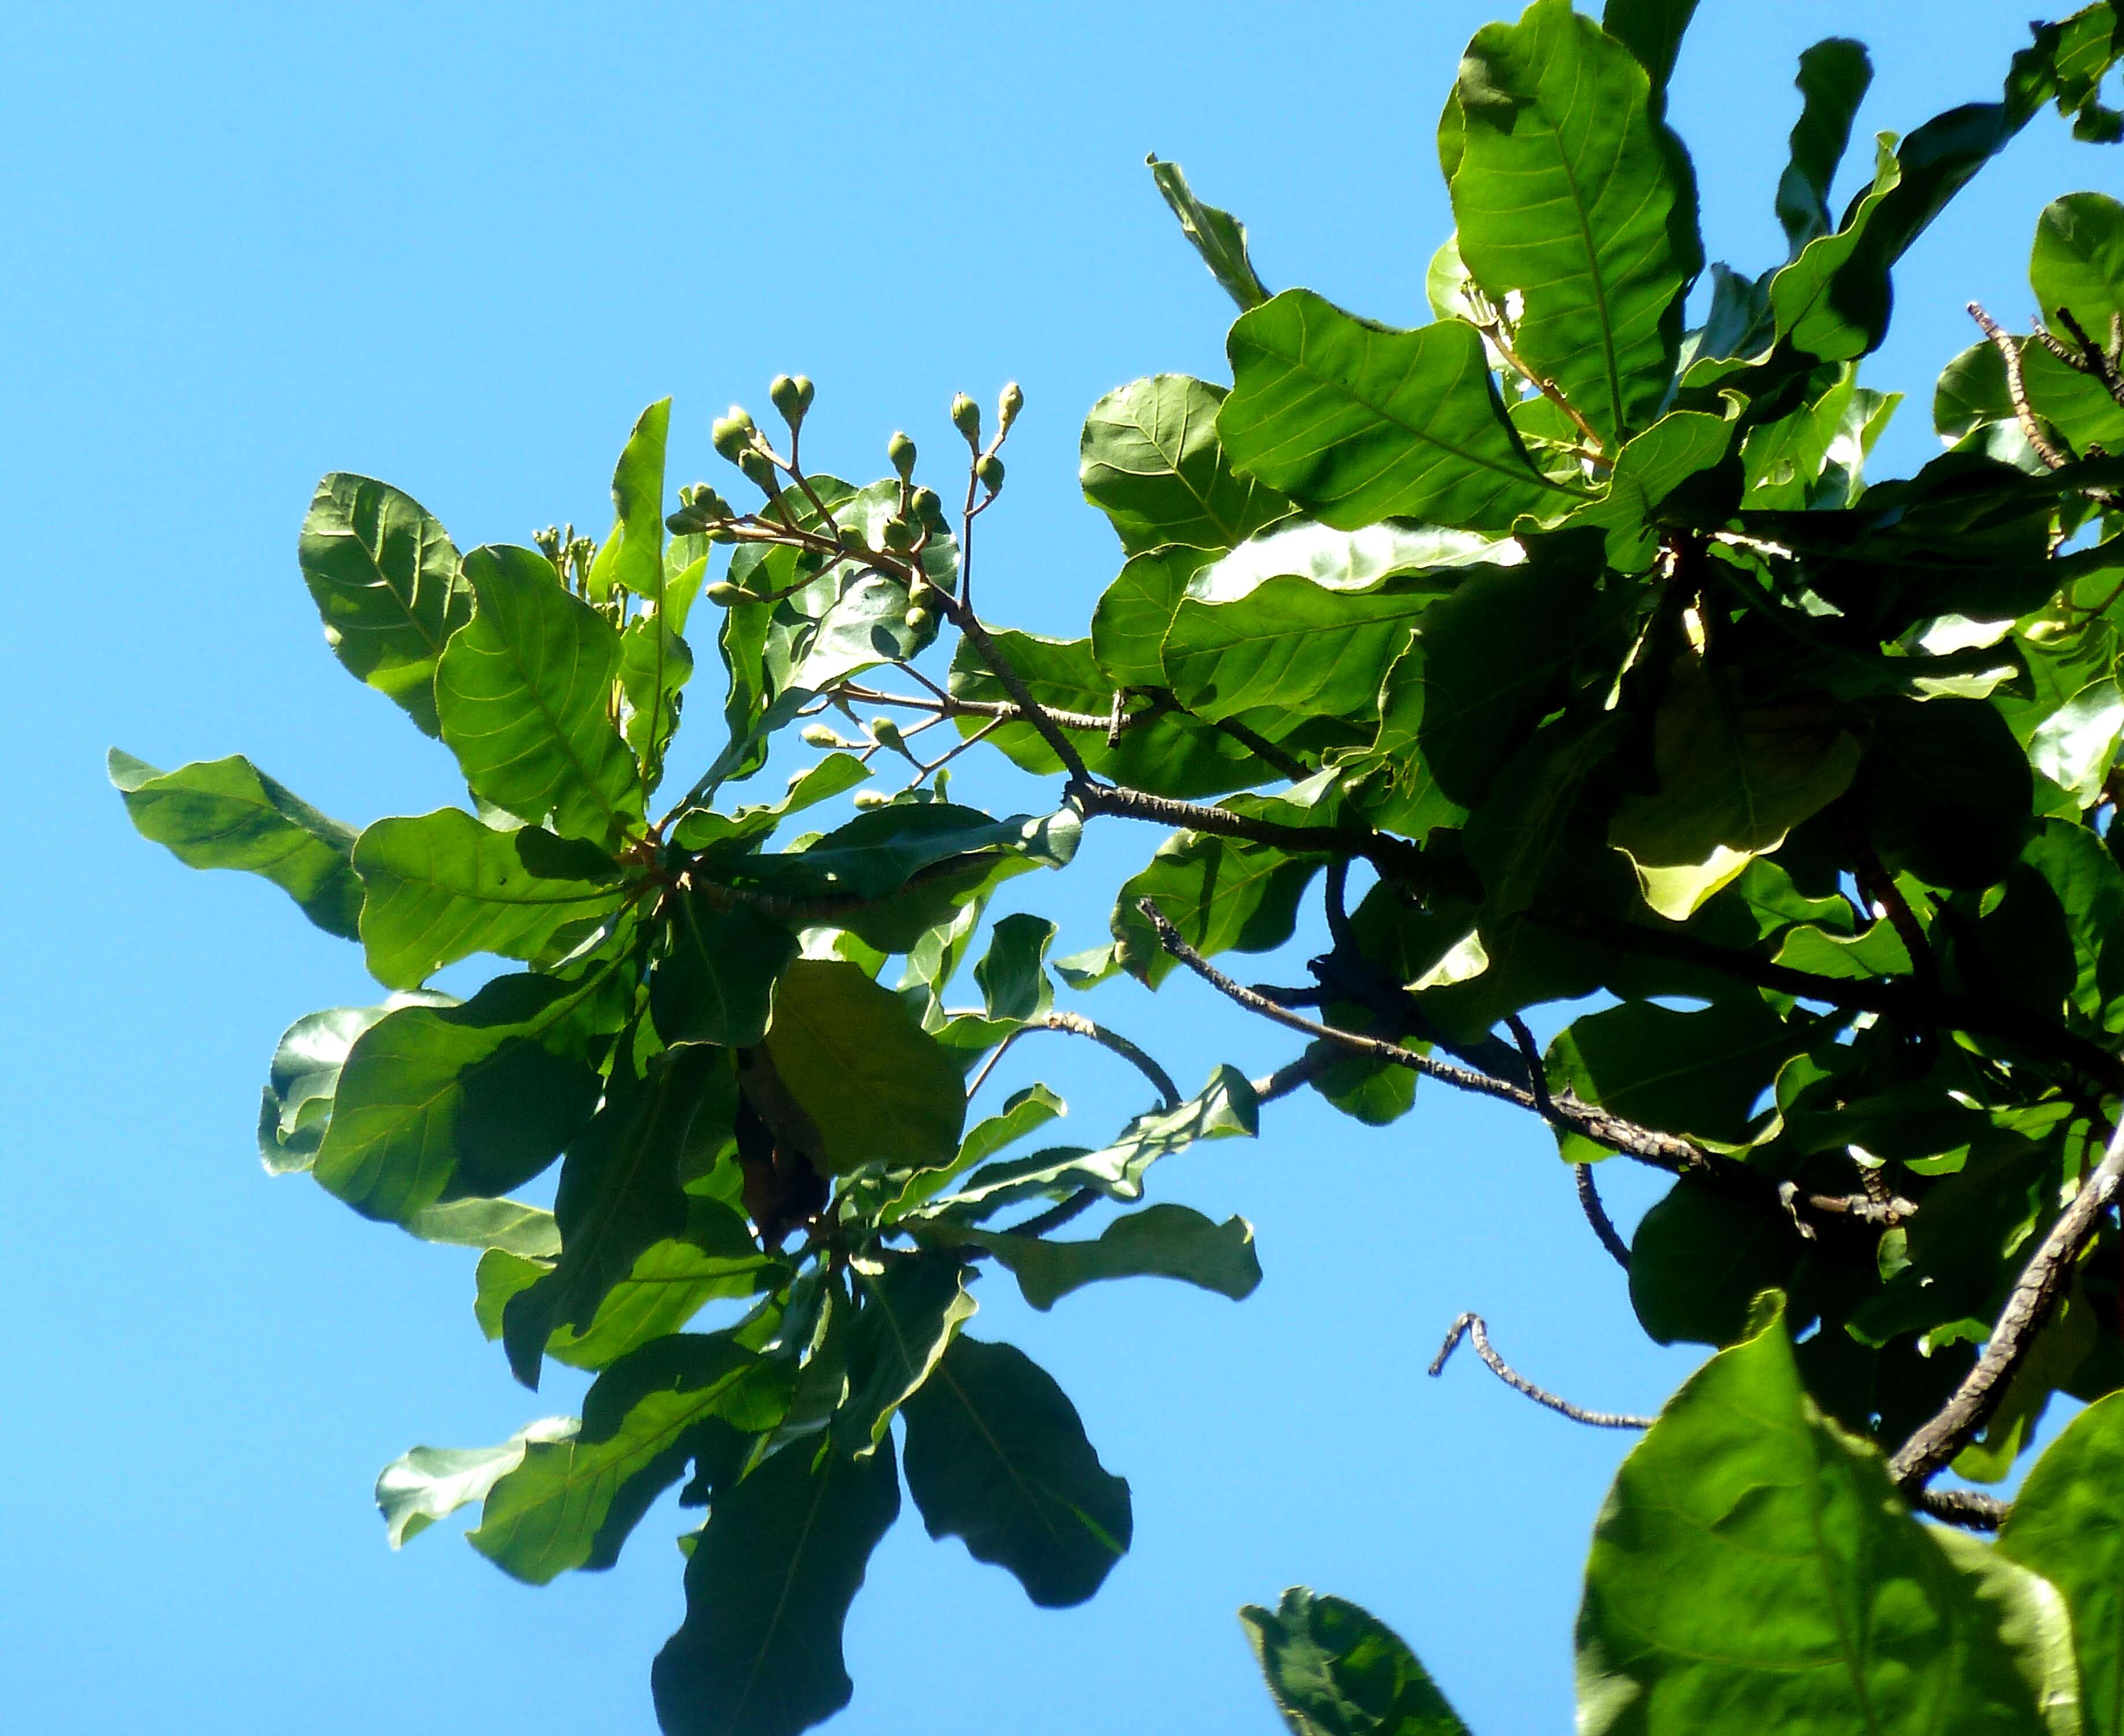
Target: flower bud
x=790, y=400
x=917, y=618
x=898, y=533
x=900, y=451
x=818, y=735
x=732, y=434
x=988, y=471
x=852, y=537
x=722, y=591
x=872, y=799
x=1007, y=406
x=758, y=471
x=928, y=508
x=886, y=732
x=967, y=418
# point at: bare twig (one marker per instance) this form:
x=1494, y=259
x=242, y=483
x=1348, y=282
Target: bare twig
x=1055, y=1216
x=1964, y=1507
x=1263, y=750
x=2034, y=1296
x=1501, y=343
x=2009, y=352
x=1663, y=1151
x=1471, y=1324
x=1596, y=1214
x=1294, y=1074
x=1161, y=1081
x=1390, y=855
x=2093, y=359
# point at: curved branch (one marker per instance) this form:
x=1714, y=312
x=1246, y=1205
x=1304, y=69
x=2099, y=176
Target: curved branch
x=1964, y=1507
x=1472, y=1325
x=2034, y=1296
x=2009, y=352
x=1596, y=1214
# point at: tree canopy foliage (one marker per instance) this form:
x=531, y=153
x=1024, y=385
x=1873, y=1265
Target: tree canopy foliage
x=1563, y=649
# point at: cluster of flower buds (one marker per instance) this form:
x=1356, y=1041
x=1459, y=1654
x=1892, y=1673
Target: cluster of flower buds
x=702, y=511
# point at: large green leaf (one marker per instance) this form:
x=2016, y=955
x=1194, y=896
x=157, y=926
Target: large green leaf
x=1291, y=645
x=620, y=1194
x=1357, y=422
x=297, y=1102
x=1731, y=773
x=1943, y=790
x=857, y=1063
x=1129, y=622
x=442, y=887
x=667, y=1285
x=434, y=1102
x=1753, y=1569
x=1160, y=1241
x=632, y=556
x=1150, y=461
x=1224, y=895
x=1011, y=973
x=2068, y=1525
x=571, y=1503
x=1560, y=192
x=1218, y=236
x=1225, y=1108
x=767, y=1589
x=425, y=1484
x=1334, y=1669
x=1698, y=1073
x=2078, y=260
x=1701, y=1257
x=524, y=691
x=996, y=1456
x=384, y=576
x=1833, y=78
x=716, y=983
x=1493, y=657
x=909, y=1315
x=227, y=814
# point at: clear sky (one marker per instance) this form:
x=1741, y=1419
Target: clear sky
x=459, y=247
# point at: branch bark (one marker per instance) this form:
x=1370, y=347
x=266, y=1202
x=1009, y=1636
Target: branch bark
x=1471, y=1324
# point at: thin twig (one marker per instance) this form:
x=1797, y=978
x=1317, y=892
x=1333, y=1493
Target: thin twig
x=1596, y=1214
x=2035, y=1294
x=1262, y=748
x=2095, y=360
x=1663, y=1151
x=1161, y=1081
x=1389, y=855
x=1495, y=332
x=1471, y=1324
x=1055, y=1216
x=1964, y=1507
x=1294, y=1075
x=2009, y=352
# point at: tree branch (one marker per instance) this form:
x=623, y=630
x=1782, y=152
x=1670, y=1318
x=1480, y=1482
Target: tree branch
x=2093, y=359
x=2035, y=1295
x=1596, y=1214
x=1471, y=1324
x=2009, y=352
x=1390, y=855
x=1963, y=1507
x=1662, y=1151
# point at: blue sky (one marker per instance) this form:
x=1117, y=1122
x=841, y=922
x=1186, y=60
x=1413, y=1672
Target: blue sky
x=459, y=247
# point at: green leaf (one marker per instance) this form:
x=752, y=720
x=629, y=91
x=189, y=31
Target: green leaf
x=716, y=984
x=1160, y=1241
x=1753, y=1569
x=632, y=556
x=1023, y=1112
x=1561, y=191
x=1651, y=467
x=1520, y=835
x=1129, y=622
x=620, y=1194
x=506, y=1226
x=384, y=576
x=443, y=887
x=767, y=1589
x=1225, y=1108
x=1290, y=645
x=856, y=1061
x=1944, y=790
x=227, y=814
x=1222, y=895
x=1150, y=462
x=1352, y=561
x=1013, y=983
x=1493, y=655
x=996, y=1456
x=426, y=1483
x=1334, y=1669
x=438, y=1102
x=305, y=1073
x=1701, y=1257
x=2068, y=1525
x=1651, y=30
x=1698, y=1073
x=910, y=1315
x=2078, y=261
x=1731, y=773
x=1833, y=78
x=1218, y=236
x=1357, y=422
x=524, y=691
x=671, y=1281
x=571, y=1503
